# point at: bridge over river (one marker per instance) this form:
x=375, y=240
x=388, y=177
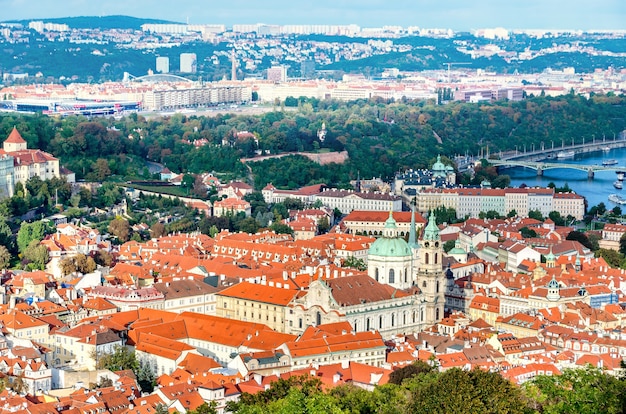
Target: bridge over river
x=541, y=166
x=544, y=152
x=543, y=158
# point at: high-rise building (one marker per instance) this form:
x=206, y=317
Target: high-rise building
x=307, y=68
x=163, y=64
x=233, y=58
x=277, y=74
x=188, y=63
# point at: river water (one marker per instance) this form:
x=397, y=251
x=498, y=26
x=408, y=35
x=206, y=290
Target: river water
x=595, y=190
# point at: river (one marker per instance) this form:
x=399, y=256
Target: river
x=595, y=190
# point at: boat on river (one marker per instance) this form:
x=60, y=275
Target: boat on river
x=565, y=154
x=615, y=198
x=609, y=162
x=617, y=184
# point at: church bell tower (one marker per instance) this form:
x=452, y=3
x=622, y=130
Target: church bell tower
x=430, y=275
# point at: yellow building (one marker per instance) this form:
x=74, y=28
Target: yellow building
x=262, y=303
x=486, y=308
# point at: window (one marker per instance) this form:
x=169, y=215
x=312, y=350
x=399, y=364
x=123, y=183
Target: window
x=376, y=274
x=392, y=276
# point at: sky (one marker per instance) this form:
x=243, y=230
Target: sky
x=453, y=14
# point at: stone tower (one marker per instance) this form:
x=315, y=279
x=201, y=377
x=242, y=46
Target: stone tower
x=430, y=275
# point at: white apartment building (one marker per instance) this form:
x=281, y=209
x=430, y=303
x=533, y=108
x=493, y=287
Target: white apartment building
x=188, y=63
x=163, y=64
x=348, y=200
x=471, y=202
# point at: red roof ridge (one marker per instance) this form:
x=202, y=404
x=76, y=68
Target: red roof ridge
x=15, y=137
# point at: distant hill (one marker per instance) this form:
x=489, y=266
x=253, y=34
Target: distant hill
x=104, y=22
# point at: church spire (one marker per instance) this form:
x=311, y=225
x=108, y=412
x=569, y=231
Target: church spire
x=432, y=231
x=413, y=230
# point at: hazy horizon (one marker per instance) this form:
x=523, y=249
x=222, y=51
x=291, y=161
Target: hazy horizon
x=453, y=14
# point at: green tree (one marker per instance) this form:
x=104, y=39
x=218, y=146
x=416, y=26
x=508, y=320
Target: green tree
x=556, y=217
x=622, y=244
x=445, y=215
x=491, y=214
x=247, y=225
x=594, y=239
x=101, y=169
x=281, y=228
x=6, y=235
x=29, y=232
x=187, y=182
x=476, y=391
x=5, y=258
x=583, y=390
x=146, y=378
x=323, y=225
x=527, y=233
x=581, y=238
x=501, y=181
x=120, y=359
x=613, y=258
x=409, y=371
x=355, y=263
x=35, y=256
x=257, y=202
x=535, y=214
x=449, y=245
x=206, y=408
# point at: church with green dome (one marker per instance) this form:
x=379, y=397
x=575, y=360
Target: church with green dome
x=390, y=258
x=416, y=263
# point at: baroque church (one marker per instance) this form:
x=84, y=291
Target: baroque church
x=417, y=263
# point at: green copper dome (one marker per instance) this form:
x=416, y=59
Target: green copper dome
x=390, y=244
x=387, y=247
x=439, y=168
x=457, y=249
